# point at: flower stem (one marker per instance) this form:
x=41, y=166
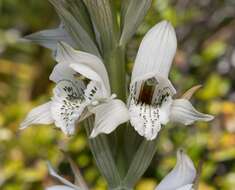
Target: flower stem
x=115, y=63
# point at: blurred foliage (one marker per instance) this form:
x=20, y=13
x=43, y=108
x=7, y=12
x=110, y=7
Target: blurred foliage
x=206, y=55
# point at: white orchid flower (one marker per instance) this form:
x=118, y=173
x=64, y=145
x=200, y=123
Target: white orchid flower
x=82, y=88
x=67, y=184
x=150, y=101
x=181, y=177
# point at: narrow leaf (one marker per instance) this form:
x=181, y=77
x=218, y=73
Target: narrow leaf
x=124, y=7
x=77, y=32
x=103, y=156
x=133, y=15
x=80, y=13
x=104, y=21
x=140, y=162
x=132, y=142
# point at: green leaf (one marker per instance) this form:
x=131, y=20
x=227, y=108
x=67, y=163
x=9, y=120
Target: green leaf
x=133, y=12
x=132, y=143
x=104, y=21
x=103, y=156
x=80, y=13
x=124, y=7
x=74, y=28
x=140, y=162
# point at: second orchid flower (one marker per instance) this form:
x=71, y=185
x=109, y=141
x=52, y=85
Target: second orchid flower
x=151, y=102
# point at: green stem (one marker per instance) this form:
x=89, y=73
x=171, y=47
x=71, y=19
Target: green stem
x=115, y=63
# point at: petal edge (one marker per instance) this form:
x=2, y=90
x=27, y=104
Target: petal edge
x=182, y=174
x=108, y=116
x=38, y=115
x=183, y=112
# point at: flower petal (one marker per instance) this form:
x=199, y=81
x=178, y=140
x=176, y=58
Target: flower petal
x=183, y=112
x=156, y=52
x=68, y=105
x=186, y=187
x=108, y=116
x=50, y=38
x=84, y=63
x=53, y=173
x=59, y=187
x=149, y=105
x=62, y=71
x=163, y=87
x=183, y=174
x=145, y=119
x=38, y=115
x=92, y=92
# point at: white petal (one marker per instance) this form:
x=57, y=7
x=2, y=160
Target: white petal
x=108, y=116
x=68, y=105
x=50, y=38
x=62, y=71
x=164, y=85
x=145, y=119
x=38, y=115
x=186, y=187
x=84, y=63
x=92, y=75
x=183, y=174
x=165, y=109
x=156, y=52
x=183, y=112
x=92, y=91
x=53, y=173
x=59, y=187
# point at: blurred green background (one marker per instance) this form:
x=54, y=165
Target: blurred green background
x=206, y=55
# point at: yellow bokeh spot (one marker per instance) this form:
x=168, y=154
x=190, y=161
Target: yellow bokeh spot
x=228, y=107
x=146, y=184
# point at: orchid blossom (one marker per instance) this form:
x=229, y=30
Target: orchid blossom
x=181, y=177
x=82, y=88
x=150, y=102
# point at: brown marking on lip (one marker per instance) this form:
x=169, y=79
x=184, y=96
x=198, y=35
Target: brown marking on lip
x=146, y=92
